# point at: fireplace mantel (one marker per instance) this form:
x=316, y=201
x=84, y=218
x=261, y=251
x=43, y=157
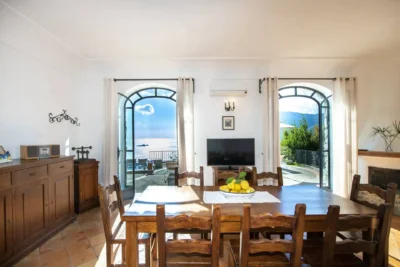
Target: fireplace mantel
x=381, y=154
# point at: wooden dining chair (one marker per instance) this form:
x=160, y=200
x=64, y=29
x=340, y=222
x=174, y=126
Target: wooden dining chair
x=189, y=178
x=267, y=178
x=370, y=195
x=259, y=252
x=114, y=227
x=188, y=252
x=342, y=253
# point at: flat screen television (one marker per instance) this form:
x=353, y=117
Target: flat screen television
x=230, y=152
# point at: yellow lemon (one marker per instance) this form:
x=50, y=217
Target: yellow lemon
x=224, y=188
x=233, y=181
x=234, y=191
x=244, y=184
x=241, y=191
x=251, y=189
x=237, y=187
x=248, y=190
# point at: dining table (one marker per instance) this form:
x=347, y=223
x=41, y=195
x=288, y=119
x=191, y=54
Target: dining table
x=140, y=217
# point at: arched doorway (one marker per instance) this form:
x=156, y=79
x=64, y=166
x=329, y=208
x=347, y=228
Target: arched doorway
x=308, y=127
x=147, y=136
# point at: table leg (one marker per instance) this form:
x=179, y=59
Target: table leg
x=132, y=256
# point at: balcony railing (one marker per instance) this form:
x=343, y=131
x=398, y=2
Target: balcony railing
x=171, y=155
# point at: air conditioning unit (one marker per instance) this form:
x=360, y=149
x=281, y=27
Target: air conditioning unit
x=233, y=93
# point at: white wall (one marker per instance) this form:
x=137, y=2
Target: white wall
x=37, y=76
x=208, y=74
x=378, y=96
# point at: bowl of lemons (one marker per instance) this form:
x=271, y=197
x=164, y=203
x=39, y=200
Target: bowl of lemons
x=237, y=188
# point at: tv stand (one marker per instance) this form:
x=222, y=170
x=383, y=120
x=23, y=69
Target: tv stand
x=228, y=168
x=219, y=178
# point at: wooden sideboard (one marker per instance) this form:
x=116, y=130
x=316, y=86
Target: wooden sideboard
x=86, y=181
x=36, y=201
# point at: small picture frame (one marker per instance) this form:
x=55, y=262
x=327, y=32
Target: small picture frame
x=228, y=123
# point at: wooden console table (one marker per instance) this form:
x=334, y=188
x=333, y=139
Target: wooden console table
x=36, y=202
x=86, y=181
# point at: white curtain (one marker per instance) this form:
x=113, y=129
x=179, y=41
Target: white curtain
x=110, y=138
x=344, y=135
x=184, y=110
x=271, y=149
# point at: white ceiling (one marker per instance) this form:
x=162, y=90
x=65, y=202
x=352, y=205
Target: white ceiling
x=99, y=29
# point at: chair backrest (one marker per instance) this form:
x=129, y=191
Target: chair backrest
x=371, y=195
x=378, y=227
x=293, y=224
x=188, y=246
x=118, y=192
x=109, y=210
x=188, y=178
x=268, y=178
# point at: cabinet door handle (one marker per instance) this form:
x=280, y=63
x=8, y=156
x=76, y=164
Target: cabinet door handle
x=62, y=166
x=9, y=221
x=32, y=173
x=52, y=202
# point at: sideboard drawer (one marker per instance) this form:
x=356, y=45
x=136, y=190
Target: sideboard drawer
x=28, y=175
x=61, y=167
x=5, y=180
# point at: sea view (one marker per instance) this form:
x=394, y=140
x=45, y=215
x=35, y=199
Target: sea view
x=154, y=144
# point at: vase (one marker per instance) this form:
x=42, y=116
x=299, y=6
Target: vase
x=388, y=147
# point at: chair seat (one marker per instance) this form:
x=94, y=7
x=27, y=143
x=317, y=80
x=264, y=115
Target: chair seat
x=119, y=235
x=261, y=259
x=349, y=260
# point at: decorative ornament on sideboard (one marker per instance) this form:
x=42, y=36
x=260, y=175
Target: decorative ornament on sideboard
x=5, y=156
x=388, y=134
x=63, y=116
x=81, y=152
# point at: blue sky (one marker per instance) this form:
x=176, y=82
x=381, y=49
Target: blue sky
x=155, y=118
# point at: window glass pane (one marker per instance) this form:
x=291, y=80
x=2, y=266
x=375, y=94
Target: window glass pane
x=147, y=92
x=318, y=97
x=174, y=97
x=303, y=91
x=164, y=92
x=128, y=123
x=286, y=92
x=134, y=97
x=129, y=169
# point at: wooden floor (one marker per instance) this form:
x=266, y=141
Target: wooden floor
x=396, y=225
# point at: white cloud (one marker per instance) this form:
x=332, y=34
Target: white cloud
x=145, y=110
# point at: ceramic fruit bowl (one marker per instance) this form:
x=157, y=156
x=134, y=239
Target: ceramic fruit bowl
x=237, y=195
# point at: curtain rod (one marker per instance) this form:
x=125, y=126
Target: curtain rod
x=260, y=81
x=152, y=79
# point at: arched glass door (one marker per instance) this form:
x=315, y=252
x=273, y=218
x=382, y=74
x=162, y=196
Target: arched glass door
x=323, y=102
x=147, y=135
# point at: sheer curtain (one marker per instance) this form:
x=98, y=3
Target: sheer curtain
x=110, y=135
x=184, y=115
x=344, y=133
x=271, y=149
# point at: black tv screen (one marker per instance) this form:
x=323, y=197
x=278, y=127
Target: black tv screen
x=230, y=152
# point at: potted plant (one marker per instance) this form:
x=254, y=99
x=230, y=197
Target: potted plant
x=388, y=134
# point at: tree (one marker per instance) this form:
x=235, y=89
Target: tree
x=299, y=137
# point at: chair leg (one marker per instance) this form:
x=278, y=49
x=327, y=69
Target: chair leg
x=221, y=245
x=154, y=247
x=147, y=253
x=175, y=236
x=109, y=254
x=123, y=253
x=282, y=236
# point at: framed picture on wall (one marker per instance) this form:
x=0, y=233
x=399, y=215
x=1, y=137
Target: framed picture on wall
x=228, y=123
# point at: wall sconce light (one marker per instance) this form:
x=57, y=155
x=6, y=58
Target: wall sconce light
x=228, y=107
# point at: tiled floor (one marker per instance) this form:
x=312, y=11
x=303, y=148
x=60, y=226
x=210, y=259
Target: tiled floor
x=82, y=244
